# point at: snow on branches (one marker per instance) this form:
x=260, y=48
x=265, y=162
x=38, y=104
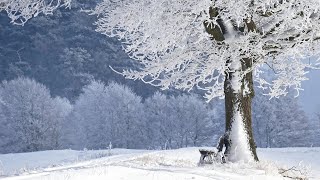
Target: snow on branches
x=177, y=43
x=20, y=11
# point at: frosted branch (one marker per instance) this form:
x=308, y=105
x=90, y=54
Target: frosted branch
x=20, y=11
x=169, y=39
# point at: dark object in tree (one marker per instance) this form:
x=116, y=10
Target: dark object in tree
x=224, y=141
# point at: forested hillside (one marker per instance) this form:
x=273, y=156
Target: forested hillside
x=63, y=51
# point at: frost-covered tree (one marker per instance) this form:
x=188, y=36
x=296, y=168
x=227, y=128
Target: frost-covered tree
x=61, y=111
x=126, y=116
x=105, y=114
x=217, y=116
x=20, y=11
x=89, y=118
x=280, y=122
x=161, y=125
x=30, y=118
x=315, y=128
x=175, y=122
x=191, y=116
x=215, y=45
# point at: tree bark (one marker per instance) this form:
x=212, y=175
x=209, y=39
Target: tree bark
x=240, y=101
x=238, y=92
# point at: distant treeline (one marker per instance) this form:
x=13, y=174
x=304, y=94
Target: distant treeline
x=32, y=120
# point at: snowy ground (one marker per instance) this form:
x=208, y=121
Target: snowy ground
x=121, y=164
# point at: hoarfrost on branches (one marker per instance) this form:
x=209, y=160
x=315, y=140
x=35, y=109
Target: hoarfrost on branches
x=170, y=41
x=20, y=11
x=30, y=119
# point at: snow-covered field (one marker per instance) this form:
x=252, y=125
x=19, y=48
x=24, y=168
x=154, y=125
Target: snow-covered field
x=121, y=164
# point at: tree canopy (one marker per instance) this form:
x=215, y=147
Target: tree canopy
x=190, y=44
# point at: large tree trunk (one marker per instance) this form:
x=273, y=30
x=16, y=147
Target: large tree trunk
x=238, y=97
x=238, y=89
